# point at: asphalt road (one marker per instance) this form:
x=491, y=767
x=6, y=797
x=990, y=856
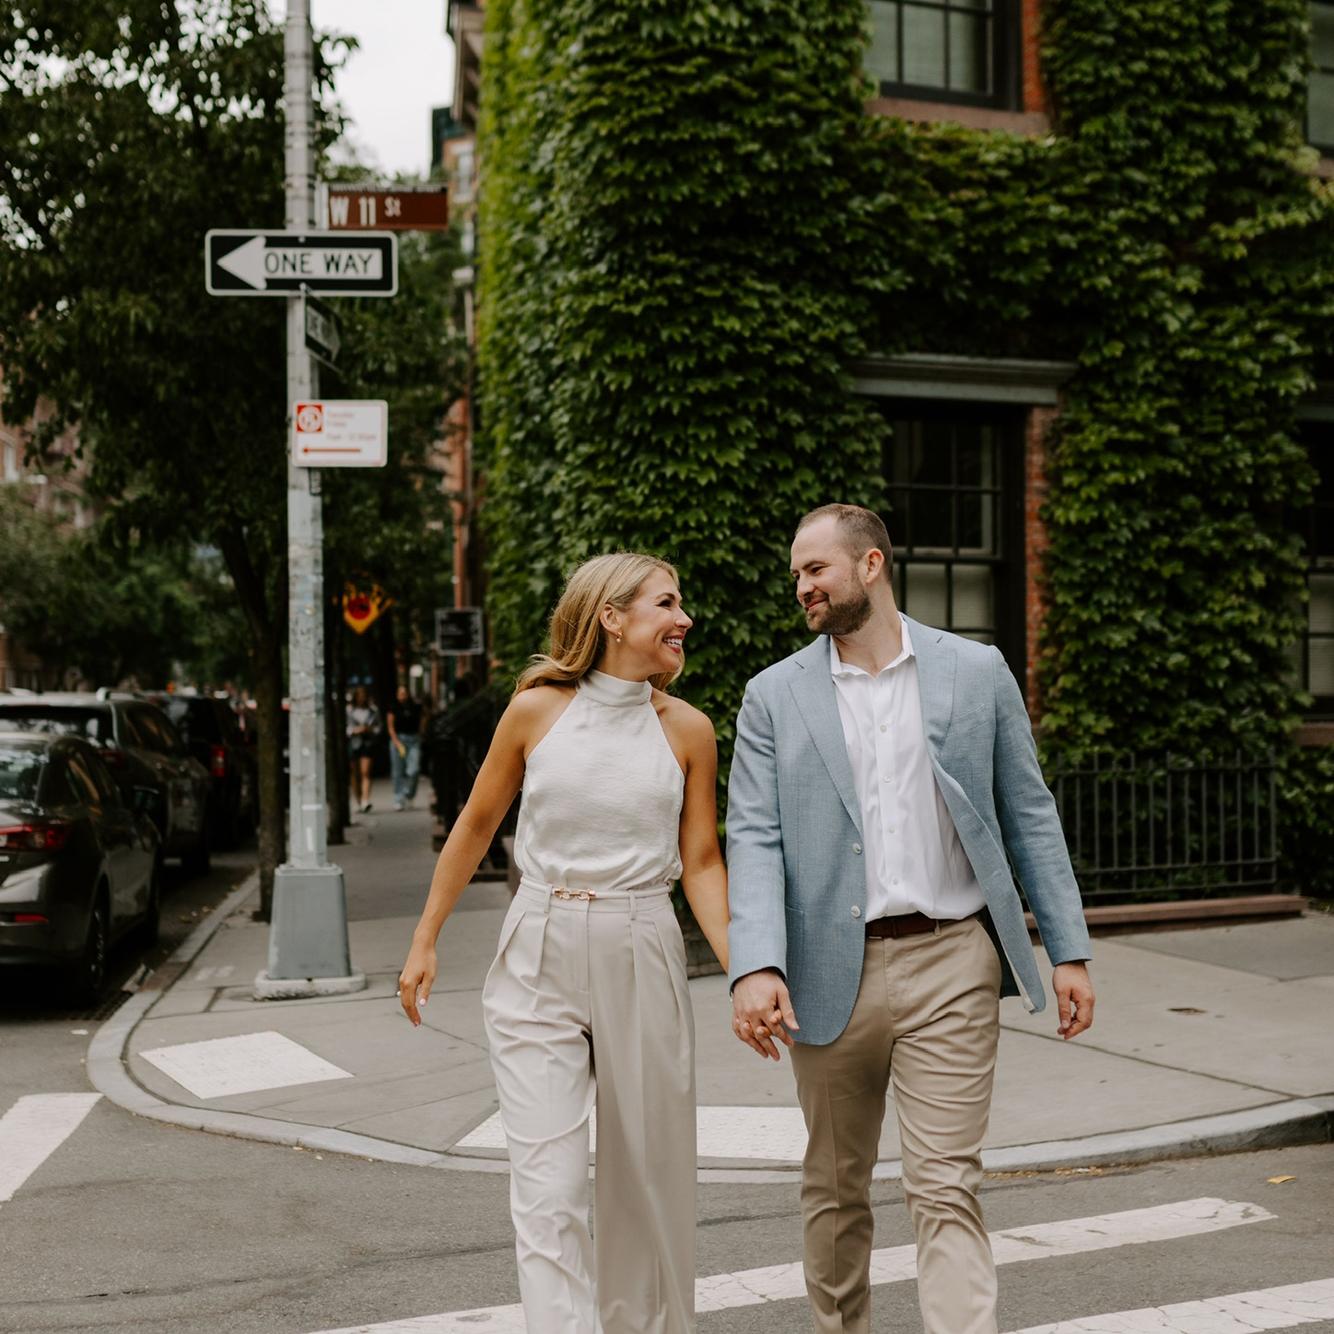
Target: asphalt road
x=127, y=1225
x=135, y=1226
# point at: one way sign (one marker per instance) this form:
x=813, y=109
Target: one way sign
x=272, y=263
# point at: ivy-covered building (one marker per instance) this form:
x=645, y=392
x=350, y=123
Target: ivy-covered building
x=1048, y=282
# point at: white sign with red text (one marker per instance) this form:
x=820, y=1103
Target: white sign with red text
x=341, y=433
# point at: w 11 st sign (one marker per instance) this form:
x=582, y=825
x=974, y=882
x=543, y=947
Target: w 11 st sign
x=272, y=263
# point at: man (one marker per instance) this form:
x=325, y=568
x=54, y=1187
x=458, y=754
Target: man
x=882, y=775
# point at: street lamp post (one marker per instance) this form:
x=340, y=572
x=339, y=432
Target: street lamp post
x=308, y=945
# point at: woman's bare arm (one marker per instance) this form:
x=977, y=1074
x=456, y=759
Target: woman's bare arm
x=703, y=872
x=523, y=723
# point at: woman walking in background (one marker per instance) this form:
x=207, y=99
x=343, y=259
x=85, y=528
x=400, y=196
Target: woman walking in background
x=586, y=1002
x=363, y=727
x=405, y=746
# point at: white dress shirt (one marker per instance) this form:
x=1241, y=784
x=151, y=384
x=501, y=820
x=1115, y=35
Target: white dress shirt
x=914, y=860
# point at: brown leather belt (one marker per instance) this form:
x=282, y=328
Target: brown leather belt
x=903, y=924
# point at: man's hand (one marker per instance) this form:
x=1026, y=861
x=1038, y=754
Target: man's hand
x=1074, y=998
x=762, y=1011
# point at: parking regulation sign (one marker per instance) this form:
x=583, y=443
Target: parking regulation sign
x=340, y=433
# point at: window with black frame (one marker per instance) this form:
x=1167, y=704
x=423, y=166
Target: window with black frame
x=1315, y=650
x=955, y=489
x=949, y=50
x=1320, y=87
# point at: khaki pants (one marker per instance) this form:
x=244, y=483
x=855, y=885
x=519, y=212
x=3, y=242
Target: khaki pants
x=926, y=1020
x=587, y=1003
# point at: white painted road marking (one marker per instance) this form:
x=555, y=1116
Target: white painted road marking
x=895, y=1264
x=249, y=1063
x=776, y=1134
x=33, y=1129
x=1240, y=1313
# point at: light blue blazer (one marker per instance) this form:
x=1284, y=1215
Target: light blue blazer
x=794, y=840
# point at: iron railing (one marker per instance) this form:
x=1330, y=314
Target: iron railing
x=1168, y=826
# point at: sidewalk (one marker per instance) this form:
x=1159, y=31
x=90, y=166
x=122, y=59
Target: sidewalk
x=1204, y=1039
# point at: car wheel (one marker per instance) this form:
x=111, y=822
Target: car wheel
x=91, y=971
x=197, y=860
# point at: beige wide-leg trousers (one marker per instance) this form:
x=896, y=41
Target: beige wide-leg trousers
x=587, y=1004
x=927, y=1021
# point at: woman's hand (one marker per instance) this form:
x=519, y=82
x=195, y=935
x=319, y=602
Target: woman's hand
x=416, y=980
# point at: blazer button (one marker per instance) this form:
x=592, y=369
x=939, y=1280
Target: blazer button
x=857, y=848
x=856, y=911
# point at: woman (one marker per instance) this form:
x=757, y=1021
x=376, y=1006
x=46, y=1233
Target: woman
x=363, y=726
x=405, y=746
x=618, y=801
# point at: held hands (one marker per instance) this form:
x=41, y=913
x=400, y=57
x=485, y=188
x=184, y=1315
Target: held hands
x=416, y=980
x=1074, y=998
x=762, y=1011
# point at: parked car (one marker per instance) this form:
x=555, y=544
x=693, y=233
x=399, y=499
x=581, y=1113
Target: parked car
x=212, y=734
x=78, y=866
x=141, y=748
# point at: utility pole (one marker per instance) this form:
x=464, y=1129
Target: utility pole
x=308, y=946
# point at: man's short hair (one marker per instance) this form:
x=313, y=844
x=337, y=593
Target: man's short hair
x=861, y=529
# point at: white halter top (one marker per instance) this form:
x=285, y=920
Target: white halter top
x=602, y=793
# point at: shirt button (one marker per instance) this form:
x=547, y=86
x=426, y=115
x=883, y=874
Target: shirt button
x=884, y=727
x=857, y=848
x=856, y=911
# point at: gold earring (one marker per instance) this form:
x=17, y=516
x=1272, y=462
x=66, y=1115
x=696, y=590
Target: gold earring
x=619, y=638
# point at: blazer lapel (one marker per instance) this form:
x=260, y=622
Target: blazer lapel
x=813, y=689
x=935, y=681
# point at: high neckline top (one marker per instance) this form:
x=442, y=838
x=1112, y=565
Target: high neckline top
x=602, y=793
x=615, y=691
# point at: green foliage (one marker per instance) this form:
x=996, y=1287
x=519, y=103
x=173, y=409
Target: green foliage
x=671, y=233
x=690, y=226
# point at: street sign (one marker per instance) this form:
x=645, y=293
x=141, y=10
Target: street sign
x=272, y=263
x=351, y=208
x=341, y=433
x=323, y=338
x=458, y=631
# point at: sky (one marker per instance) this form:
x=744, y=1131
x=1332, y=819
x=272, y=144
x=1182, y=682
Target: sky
x=404, y=68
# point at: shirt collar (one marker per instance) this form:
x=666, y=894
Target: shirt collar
x=837, y=667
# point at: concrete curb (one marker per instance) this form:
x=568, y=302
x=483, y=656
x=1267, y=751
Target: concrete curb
x=1275, y=1125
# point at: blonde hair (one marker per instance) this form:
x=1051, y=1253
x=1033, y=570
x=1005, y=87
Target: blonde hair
x=577, y=639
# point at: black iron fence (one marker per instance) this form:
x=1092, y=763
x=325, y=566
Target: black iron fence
x=1169, y=826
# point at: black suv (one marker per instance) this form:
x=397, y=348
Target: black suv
x=141, y=748
x=212, y=734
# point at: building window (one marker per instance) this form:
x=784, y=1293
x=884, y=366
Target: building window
x=956, y=520
x=945, y=50
x=1320, y=89
x=1315, y=651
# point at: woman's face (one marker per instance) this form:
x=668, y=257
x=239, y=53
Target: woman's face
x=653, y=628
x=359, y=698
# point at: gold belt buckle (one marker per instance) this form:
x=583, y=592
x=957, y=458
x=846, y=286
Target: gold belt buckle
x=560, y=892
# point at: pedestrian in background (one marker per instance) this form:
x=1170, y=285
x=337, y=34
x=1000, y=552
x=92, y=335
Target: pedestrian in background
x=405, y=746
x=587, y=999
x=363, y=729
x=884, y=782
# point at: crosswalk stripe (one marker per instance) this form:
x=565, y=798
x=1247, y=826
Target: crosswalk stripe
x=893, y=1264
x=33, y=1129
x=1240, y=1313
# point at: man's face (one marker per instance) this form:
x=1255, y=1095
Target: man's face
x=827, y=578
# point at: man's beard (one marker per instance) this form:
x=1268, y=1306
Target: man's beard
x=844, y=618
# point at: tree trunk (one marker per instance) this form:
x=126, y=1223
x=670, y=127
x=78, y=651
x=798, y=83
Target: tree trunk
x=262, y=594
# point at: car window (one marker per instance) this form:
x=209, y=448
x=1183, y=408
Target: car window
x=20, y=772
x=156, y=731
x=60, y=719
x=130, y=735
x=85, y=789
x=106, y=785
